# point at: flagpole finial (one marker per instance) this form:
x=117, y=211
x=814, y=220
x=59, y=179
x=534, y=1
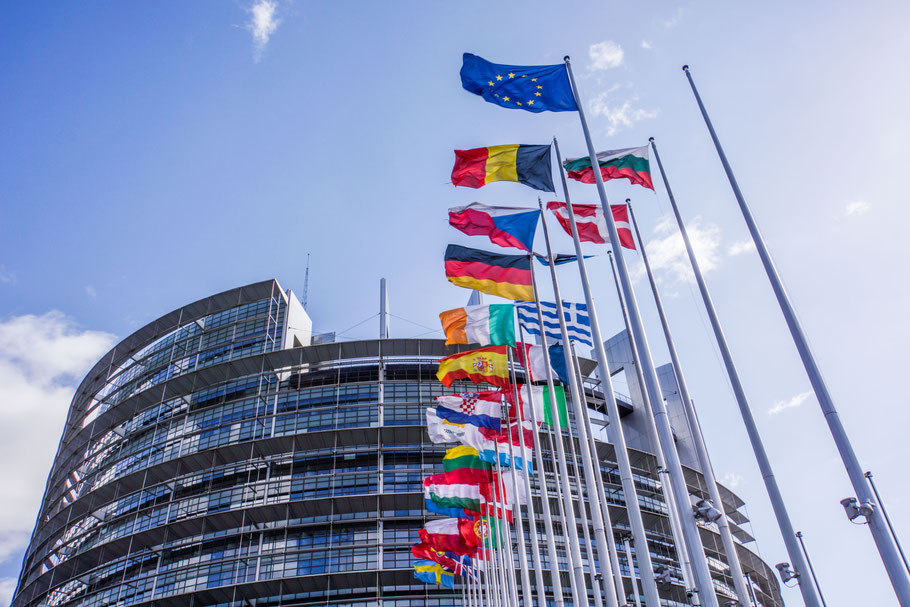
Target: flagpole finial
x=628, y=200
x=651, y=139
x=685, y=68
x=566, y=58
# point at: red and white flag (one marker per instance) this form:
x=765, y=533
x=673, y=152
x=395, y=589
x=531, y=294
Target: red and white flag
x=592, y=227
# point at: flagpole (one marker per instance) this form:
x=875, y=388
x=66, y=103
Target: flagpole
x=509, y=567
x=868, y=506
x=570, y=525
x=516, y=507
x=736, y=571
x=628, y=547
x=673, y=515
x=532, y=519
x=545, y=502
x=578, y=402
x=636, y=521
x=764, y=464
x=703, y=580
x=500, y=587
x=601, y=492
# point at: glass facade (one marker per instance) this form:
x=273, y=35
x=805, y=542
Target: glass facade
x=211, y=460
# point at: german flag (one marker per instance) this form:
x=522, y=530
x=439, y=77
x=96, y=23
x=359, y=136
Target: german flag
x=527, y=164
x=507, y=276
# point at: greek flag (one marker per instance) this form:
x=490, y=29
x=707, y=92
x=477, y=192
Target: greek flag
x=578, y=322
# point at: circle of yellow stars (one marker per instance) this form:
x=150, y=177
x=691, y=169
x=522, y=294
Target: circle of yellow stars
x=511, y=76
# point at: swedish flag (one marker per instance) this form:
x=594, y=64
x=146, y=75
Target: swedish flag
x=533, y=88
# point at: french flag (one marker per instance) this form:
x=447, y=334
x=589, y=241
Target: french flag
x=505, y=226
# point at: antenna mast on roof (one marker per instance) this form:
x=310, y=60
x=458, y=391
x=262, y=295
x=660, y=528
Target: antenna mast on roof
x=306, y=280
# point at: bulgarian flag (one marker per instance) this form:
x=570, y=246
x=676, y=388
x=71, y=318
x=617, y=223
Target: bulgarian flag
x=443, y=535
x=464, y=464
x=629, y=163
x=487, y=325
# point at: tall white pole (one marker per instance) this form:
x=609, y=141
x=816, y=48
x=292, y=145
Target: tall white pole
x=636, y=522
x=900, y=580
x=570, y=525
x=509, y=556
x=625, y=542
x=704, y=460
x=703, y=581
x=558, y=597
x=578, y=402
x=764, y=464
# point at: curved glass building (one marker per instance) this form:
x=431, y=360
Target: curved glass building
x=220, y=455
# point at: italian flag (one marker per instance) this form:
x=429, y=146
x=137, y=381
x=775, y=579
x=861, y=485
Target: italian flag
x=540, y=400
x=490, y=325
x=629, y=163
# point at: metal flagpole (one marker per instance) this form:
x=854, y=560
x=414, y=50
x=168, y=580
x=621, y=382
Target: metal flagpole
x=526, y=476
x=774, y=494
x=601, y=492
x=881, y=503
x=501, y=587
x=509, y=567
x=682, y=551
x=545, y=504
x=703, y=580
x=578, y=402
x=802, y=544
x=573, y=549
x=736, y=571
x=516, y=508
x=900, y=579
x=625, y=543
x=617, y=435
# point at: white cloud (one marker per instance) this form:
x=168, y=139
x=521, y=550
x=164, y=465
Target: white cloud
x=605, y=55
x=262, y=25
x=674, y=20
x=857, y=207
x=738, y=248
x=667, y=251
x=646, y=45
x=6, y=277
x=91, y=292
x=794, y=402
x=619, y=116
x=7, y=587
x=42, y=359
x=731, y=480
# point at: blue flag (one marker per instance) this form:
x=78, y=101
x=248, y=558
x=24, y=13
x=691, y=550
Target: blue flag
x=533, y=88
x=578, y=323
x=558, y=362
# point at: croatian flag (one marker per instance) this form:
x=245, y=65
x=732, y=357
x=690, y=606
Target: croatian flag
x=505, y=226
x=578, y=323
x=481, y=409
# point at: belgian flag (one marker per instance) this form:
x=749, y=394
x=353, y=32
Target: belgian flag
x=527, y=164
x=507, y=276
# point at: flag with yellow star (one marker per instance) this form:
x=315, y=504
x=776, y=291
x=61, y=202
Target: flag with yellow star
x=533, y=88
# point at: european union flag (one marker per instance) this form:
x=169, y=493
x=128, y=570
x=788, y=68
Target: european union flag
x=534, y=88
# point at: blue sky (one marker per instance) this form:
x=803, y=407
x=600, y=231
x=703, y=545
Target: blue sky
x=152, y=155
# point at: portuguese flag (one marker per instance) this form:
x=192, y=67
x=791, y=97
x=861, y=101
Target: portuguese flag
x=630, y=163
x=463, y=464
x=508, y=276
x=527, y=164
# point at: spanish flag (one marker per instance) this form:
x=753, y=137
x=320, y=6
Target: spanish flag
x=507, y=276
x=489, y=365
x=527, y=164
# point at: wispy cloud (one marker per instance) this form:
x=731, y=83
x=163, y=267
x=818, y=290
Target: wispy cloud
x=667, y=251
x=738, y=248
x=7, y=587
x=90, y=291
x=792, y=403
x=731, y=480
x=620, y=115
x=42, y=358
x=646, y=45
x=262, y=24
x=856, y=208
x=605, y=55
x=6, y=277
x=674, y=20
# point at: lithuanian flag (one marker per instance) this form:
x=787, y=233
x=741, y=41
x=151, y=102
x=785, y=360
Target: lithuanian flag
x=489, y=365
x=527, y=164
x=507, y=276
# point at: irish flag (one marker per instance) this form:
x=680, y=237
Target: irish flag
x=490, y=325
x=629, y=163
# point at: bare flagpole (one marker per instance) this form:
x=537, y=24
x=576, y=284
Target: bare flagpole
x=868, y=507
x=736, y=571
x=616, y=434
x=703, y=581
x=758, y=447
